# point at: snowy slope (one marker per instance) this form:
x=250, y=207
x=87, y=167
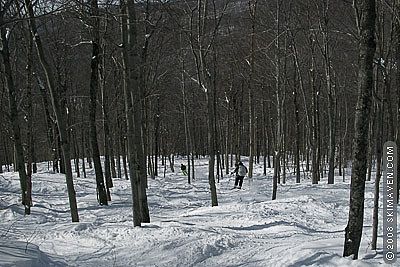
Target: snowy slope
x=303, y=227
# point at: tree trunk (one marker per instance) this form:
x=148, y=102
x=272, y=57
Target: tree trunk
x=124, y=157
x=297, y=121
x=83, y=152
x=331, y=92
x=94, y=88
x=370, y=144
x=107, y=138
x=30, y=118
x=15, y=121
x=74, y=138
x=314, y=135
x=376, y=198
x=252, y=6
x=59, y=111
x=185, y=113
x=228, y=141
x=379, y=145
x=264, y=130
x=133, y=95
x=332, y=139
x=279, y=106
x=367, y=46
x=211, y=146
x=137, y=101
x=157, y=138
x=137, y=219
x=119, y=141
x=211, y=123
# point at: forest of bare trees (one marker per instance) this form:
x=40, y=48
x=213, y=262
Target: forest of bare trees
x=123, y=86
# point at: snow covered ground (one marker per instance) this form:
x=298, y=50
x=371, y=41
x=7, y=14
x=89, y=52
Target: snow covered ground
x=303, y=227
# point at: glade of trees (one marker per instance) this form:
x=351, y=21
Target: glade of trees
x=277, y=81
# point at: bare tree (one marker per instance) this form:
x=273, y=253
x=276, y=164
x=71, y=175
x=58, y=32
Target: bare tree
x=280, y=99
x=5, y=35
x=133, y=109
x=252, y=130
x=365, y=15
x=94, y=88
x=204, y=55
x=60, y=111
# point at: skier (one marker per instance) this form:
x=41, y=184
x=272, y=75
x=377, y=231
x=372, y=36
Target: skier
x=241, y=172
x=183, y=169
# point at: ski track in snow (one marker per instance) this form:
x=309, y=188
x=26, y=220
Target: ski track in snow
x=303, y=227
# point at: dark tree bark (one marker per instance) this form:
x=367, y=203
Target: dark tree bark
x=157, y=137
x=83, y=152
x=228, y=141
x=93, y=89
x=133, y=109
x=279, y=108
x=264, y=138
x=74, y=138
x=326, y=52
x=119, y=142
x=370, y=145
x=315, y=136
x=252, y=9
x=104, y=108
x=297, y=121
x=366, y=14
x=379, y=108
x=30, y=118
x=137, y=219
x=379, y=145
x=15, y=121
x=137, y=104
x=211, y=145
x=185, y=113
